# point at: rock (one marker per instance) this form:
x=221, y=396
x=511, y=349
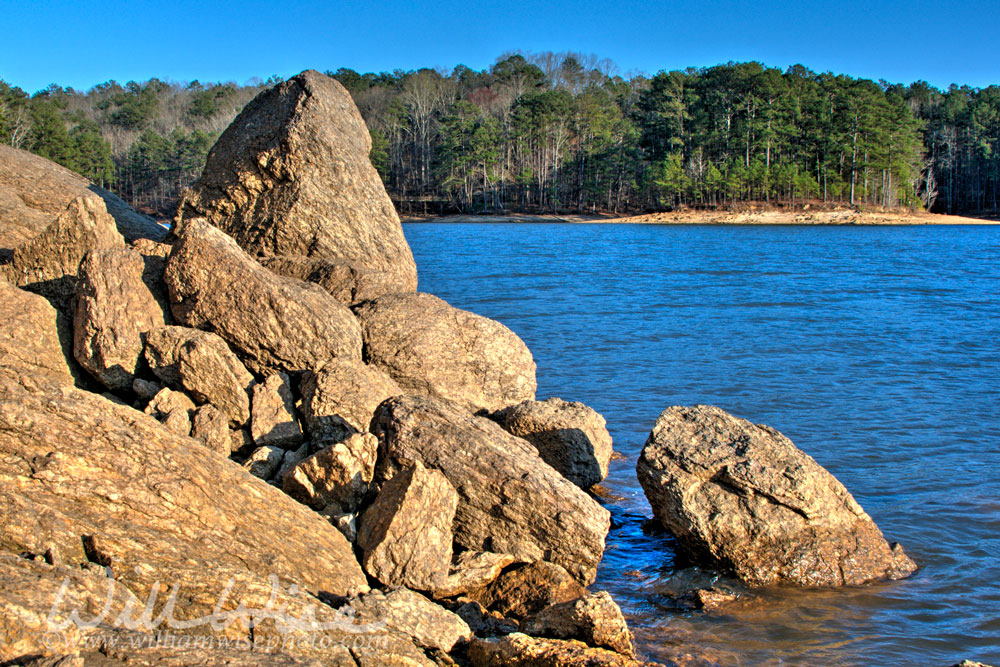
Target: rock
x=743, y=498
x=405, y=535
x=114, y=311
x=273, y=323
x=292, y=176
x=29, y=335
x=710, y=599
x=211, y=426
x=28, y=593
x=510, y=500
x=240, y=442
x=173, y=409
x=346, y=281
x=520, y=650
x=38, y=600
x=154, y=508
x=202, y=364
x=145, y=389
x=291, y=458
x=154, y=257
x=433, y=349
x=264, y=462
x=482, y=621
x=346, y=523
x=275, y=420
x=529, y=589
x=49, y=263
x=340, y=399
x=339, y=474
x=410, y=613
x=570, y=437
x=35, y=191
x=594, y=619
x=472, y=570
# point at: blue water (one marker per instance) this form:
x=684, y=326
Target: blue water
x=875, y=349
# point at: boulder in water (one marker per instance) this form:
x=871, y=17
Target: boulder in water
x=743, y=498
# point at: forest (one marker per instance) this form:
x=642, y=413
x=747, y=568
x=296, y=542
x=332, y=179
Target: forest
x=565, y=132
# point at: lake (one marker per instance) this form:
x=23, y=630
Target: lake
x=875, y=349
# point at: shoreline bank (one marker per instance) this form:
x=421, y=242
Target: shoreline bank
x=799, y=217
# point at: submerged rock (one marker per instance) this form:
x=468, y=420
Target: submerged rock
x=743, y=498
x=433, y=349
x=510, y=500
x=291, y=176
x=571, y=437
x=273, y=323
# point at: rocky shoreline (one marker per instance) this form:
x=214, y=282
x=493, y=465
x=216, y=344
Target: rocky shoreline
x=252, y=441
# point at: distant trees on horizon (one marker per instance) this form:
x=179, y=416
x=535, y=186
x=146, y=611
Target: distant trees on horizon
x=565, y=132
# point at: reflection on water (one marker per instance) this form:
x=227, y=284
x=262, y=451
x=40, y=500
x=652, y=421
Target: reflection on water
x=875, y=349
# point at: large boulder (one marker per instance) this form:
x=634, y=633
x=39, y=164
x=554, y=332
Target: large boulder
x=570, y=437
x=340, y=398
x=274, y=323
x=594, y=618
x=29, y=335
x=202, y=364
x=291, y=176
x=433, y=349
x=50, y=262
x=55, y=614
x=35, y=191
x=406, y=535
x=114, y=311
x=510, y=500
x=744, y=499
x=95, y=482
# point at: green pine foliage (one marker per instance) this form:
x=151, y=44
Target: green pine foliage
x=565, y=132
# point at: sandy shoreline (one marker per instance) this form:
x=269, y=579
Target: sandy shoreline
x=797, y=217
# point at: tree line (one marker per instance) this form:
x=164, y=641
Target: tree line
x=555, y=132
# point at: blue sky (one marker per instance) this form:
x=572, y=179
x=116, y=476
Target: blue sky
x=82, y=44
